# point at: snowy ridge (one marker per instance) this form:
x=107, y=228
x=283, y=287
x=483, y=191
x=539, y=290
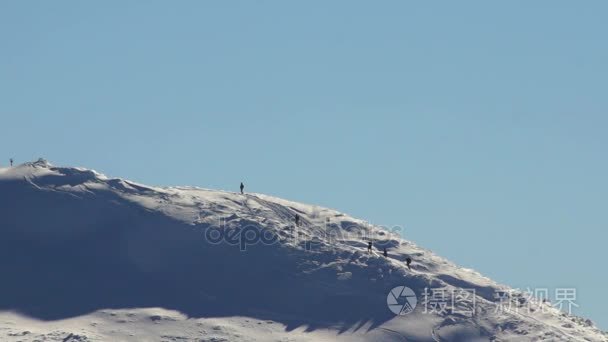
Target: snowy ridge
x=109, y=259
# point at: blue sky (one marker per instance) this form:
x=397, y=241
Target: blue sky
x=478, y=126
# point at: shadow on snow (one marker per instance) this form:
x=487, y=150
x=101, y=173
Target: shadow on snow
x=66, y=254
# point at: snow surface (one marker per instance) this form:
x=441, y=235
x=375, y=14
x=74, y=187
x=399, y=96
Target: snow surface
x=85, y=257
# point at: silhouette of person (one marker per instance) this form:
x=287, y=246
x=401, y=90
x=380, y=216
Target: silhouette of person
x=369, y=247
x=408, y=261
x=242, y=187
x=11, y=161
x=385, y=253
x=297, y=220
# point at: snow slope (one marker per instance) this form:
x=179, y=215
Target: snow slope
x=85, y=257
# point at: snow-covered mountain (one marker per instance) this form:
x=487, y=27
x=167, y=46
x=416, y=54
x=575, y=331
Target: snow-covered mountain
x=84, y=257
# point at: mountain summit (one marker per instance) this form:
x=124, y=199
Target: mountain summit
x=85, y=257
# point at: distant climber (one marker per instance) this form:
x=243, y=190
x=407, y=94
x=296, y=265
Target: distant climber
x=242, y=188
x=385, y=253
x=369, y=247
x=297, y=220
x=11, y=162
x=408, y=261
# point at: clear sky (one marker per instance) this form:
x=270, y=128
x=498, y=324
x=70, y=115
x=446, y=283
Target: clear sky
x=481, y=127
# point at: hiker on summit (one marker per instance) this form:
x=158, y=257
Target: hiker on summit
x=242, y=188
x=369, y=247
x=11, y=160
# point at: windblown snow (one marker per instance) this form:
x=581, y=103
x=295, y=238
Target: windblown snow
x=85, y=257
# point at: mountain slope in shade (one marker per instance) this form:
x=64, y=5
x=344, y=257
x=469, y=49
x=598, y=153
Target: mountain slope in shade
x=85, y=257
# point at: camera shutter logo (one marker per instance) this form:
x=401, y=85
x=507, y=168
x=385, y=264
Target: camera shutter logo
x=401, y=300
